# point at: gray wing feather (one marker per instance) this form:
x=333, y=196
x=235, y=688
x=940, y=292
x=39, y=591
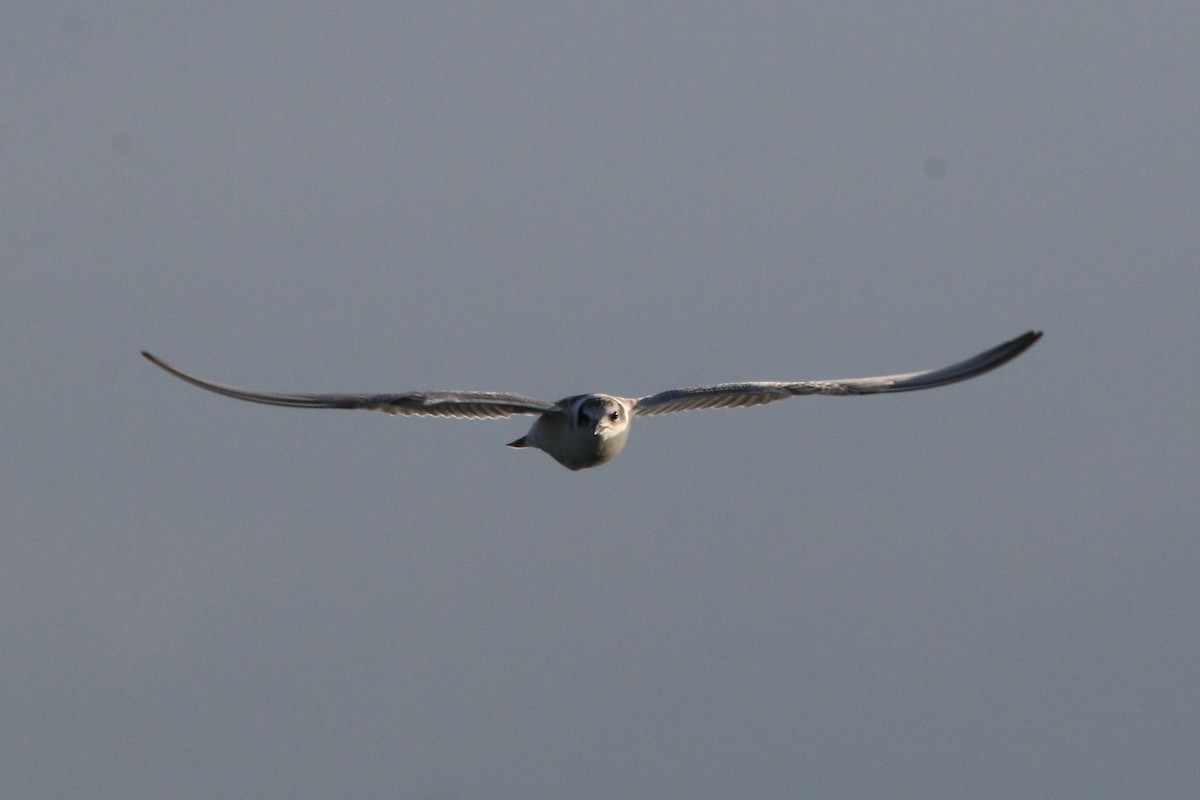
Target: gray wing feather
x=472, y=405
x=753, y=393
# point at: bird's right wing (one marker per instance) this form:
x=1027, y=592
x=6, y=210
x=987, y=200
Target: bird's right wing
x=473, y=405
x=731, y=395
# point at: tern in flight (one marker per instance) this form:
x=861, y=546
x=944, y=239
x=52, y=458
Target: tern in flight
x=587, y=430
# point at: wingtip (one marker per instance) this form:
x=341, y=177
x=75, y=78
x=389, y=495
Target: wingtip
x=1019, y=345
x=158, y=362
x=153, y=359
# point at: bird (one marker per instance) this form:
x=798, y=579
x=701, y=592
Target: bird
x=587, y=430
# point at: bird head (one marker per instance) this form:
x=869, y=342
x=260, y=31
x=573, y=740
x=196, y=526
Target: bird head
x=604, y=416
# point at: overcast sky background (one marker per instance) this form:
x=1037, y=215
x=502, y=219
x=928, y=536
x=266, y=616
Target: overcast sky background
x=985, y=591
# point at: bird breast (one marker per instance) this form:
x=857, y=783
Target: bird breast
x=575, y=447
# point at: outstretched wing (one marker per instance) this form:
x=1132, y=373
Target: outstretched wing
x=476, y=405
x=732, y=395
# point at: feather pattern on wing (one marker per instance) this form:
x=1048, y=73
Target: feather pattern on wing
x=470, y=405
x=752, y=393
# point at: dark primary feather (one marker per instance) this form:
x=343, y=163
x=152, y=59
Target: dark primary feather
x=729, y=395
x=476, y=405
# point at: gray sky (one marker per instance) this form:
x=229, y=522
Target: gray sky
x=984, y=591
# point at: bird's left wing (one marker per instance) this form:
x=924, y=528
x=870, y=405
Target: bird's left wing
x=732, y=395
x=475, y=405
